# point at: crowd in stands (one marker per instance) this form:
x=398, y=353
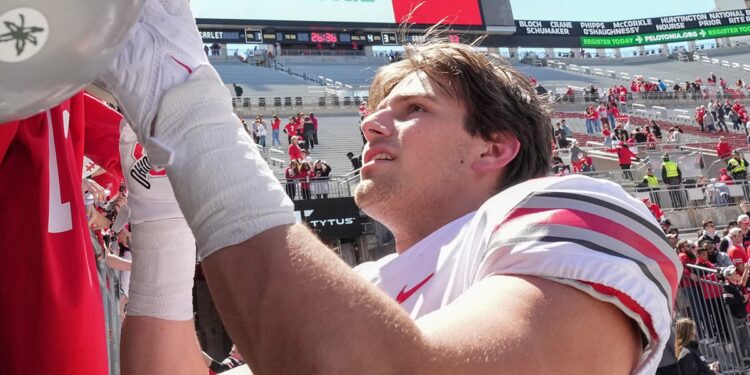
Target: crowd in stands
x=712, y=299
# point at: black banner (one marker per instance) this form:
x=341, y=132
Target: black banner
x=630, y=27
x=330, y=218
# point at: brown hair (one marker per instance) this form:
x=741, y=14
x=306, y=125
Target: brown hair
x=684, y=332
x=498, y=99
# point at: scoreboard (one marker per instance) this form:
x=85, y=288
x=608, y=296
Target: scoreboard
x=300, y=37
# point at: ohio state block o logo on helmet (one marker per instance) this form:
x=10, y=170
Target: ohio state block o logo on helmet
x=23, y=33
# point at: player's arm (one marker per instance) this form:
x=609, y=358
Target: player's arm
x=293, y=307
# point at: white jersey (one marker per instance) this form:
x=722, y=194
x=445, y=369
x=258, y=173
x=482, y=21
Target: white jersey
x=585, y=233
x=151, y=196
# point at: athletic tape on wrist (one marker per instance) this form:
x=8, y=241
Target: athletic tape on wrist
x=226, y=190
x=161, y=280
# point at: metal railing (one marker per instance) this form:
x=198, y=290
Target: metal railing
x=318, y=188
x=701, y=297
x=692, y=195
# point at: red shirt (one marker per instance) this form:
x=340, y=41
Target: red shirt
x=45, y=245
x=315, y=122
x=737, y=254
x=685, y=260
x=276, y=124
x=291, y=129
x=623, y=155
x=656, y=210
x=726, y=179
x=294, y=152
x=723, y=149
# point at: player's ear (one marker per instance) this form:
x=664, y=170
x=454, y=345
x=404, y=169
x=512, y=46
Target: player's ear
x=497, y=153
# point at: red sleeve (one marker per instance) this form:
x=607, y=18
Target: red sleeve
x=102, y=142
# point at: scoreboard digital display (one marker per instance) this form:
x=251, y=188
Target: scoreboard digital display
x=296, y=37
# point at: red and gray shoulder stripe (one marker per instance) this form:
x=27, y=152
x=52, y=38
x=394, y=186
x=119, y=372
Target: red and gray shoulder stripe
x=601, y=244
x=596, y=225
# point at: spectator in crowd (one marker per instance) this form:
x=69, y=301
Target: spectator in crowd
x=292, y=174
x=591, y=117
x=720, y=116
x=315, y=127
x=215, y=49
x=262, y=133
x=726, y=240
x=607, y=134
x=305, y=157
x=275, y=127
x=724, y=176
x=723, y=149
x=559, y=134
x=737, y=166
x=666, y=225
x=258, y=121
x=672, y=238
x=568, y=132
x=355, y=160
x=305, y=175
x=294, y=150
x=237, y=90
x=716, y=257
x=639, y=135
x=308, y=130
x=743, y=222
x=233, y=360
x=624, y=156
x=709, y=122
x=621, y=133
x=736, y=251
x=587, y=163
x=736, y=299
x=689, y=358
x=290, y=129
x=700, y=115
x=575, y=157
x=558, y=165
x=603, y=115
x=654, y=208
x=656, y=130
x=612, y=112
x=363, y=111
x=709, y=233
x=675, y=135
x=320, y=187
x=718, y=193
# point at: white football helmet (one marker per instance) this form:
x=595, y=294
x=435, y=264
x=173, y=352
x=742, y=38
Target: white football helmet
x=50, y=49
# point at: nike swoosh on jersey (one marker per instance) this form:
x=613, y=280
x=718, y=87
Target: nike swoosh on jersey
x=404, y=294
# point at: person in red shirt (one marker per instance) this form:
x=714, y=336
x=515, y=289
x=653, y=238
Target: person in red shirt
x=294, y=150
x=315, y=127
x=47, y=253
x=654, y=208
x=724, y=177
x=290, y=129
x=305, y=174
x=700, y=112
x=723, y=149
x=624, y=156
x=275, y=127
x=736, y=251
